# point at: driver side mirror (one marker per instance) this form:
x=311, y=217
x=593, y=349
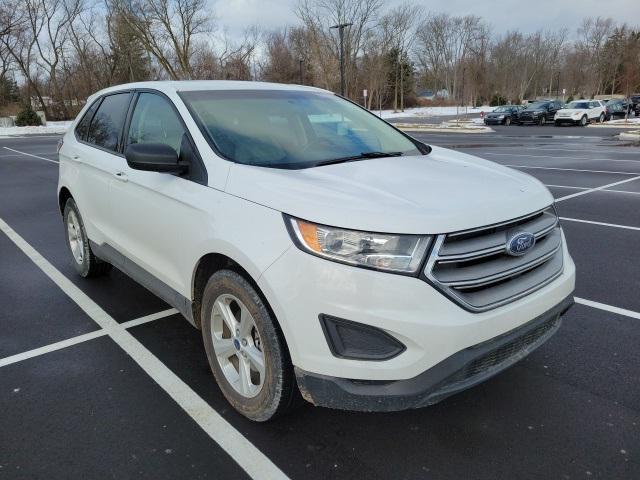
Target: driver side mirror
x=154, y=157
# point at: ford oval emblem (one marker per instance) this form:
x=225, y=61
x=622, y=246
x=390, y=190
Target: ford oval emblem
x=520, y=243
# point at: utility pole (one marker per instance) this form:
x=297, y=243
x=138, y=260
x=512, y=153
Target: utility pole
x=301, y=60
x=341, y=28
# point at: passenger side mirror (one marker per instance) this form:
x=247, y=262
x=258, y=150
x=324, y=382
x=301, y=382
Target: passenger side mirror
x=154, y=157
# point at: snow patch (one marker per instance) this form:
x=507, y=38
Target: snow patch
x=50, y=128
x=433, y=111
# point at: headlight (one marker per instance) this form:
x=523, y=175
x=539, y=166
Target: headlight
x=382, y=251
x=500, y=117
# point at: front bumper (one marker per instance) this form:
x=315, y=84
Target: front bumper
x=458, y=372
x=300, y=287
x=494, y=121
x=566, y=120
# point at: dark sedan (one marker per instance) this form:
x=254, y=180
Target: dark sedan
x=539, y=112
x=503, y=115
x=619, y=108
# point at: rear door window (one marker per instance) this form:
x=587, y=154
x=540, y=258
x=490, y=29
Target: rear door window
x=107, y=123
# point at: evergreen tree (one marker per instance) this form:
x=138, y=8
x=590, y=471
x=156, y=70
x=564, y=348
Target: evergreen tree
x=27, y=117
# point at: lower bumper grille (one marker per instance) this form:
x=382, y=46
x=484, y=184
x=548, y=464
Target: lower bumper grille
x=503, y=356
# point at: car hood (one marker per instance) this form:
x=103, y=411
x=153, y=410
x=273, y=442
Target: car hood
x=497, y=114
x=535, y=110
x=443, y=191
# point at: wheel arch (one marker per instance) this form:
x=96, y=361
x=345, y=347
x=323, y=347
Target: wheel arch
x=209, y=264
x=63, y=195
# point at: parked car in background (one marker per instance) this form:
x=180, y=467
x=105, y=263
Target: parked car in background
x=539, y=112
x=503, y=115
x=321, y=251
x=635, y=103
x=581, y=112
x=619, y=107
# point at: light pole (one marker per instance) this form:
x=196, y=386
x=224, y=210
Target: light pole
x=341, y=28
x=301, y=60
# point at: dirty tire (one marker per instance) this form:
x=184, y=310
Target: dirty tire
x=279, y=392
x=84, y=261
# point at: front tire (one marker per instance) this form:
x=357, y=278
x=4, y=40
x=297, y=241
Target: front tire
x=583, y=121
x=245, y=348
x=84, y=261
x=507, y=121
x=601, y=118
x=542, y=121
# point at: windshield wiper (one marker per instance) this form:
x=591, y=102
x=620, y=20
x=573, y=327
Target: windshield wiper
x=362, y=156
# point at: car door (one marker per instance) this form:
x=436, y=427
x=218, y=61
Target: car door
x=95, y=153
x=158, y=217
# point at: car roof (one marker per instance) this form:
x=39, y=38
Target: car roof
x=173, y=86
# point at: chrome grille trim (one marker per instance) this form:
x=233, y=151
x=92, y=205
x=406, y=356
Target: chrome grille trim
x=502, y=283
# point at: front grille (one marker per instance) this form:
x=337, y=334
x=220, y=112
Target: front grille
x=505, y=354
x=474, y=269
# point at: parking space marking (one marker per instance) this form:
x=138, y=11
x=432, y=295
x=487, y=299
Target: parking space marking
x=596, y=189
x=52, y=347
x=608, y=308
x=602, y=224
x=149, y=318
x=587, y=188
x=562, y=158
x=570, y=169
x=31, y=155
x=245, y=454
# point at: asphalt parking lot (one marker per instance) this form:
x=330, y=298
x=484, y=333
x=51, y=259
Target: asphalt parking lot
x=99, y=378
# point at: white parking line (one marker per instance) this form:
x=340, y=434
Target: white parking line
x=571, y=169
x=52, y=347
x=608, y=308
x=246, y=455
x=596, y=189
x=31, y=155
x=560, y=158
x=602, y=224
x=587, y=188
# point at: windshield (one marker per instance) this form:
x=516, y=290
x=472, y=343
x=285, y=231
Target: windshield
x=292, y=129
x=502, y=109
x=536, y=105
x=579, y=105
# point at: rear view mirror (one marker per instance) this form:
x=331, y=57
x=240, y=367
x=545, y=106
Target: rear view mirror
x=154, y=157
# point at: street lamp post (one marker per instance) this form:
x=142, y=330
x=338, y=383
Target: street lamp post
x=341, y=28
x=301, y=60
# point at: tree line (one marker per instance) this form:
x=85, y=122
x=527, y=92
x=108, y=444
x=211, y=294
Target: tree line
x=54, y=53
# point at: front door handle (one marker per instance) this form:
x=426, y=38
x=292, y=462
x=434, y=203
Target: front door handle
x=121, y=176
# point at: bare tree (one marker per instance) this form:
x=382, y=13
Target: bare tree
x=443, y=45
x=167, y=29
x=398, y=26
x=318, y=16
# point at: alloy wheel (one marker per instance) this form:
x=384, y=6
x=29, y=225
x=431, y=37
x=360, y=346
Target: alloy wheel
x=237, y=345
x=76, y=239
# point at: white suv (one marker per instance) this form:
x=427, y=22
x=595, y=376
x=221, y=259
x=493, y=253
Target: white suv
x=581, y=112
x=321, y=251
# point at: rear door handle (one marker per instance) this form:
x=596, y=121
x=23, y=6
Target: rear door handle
x=121, y=176
x=75, y=157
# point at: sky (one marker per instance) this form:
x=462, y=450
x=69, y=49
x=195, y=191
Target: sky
x=524, y=15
